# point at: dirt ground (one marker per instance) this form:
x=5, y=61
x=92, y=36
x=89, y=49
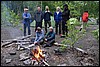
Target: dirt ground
x=69, y=57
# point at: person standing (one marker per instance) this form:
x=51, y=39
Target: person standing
x=38, y=17
x=58, y=19
x=26, y=20
x=47, y=15
x=85, y=19
x=65, y=18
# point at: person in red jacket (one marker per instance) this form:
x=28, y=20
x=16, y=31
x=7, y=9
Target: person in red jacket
x=85, y=19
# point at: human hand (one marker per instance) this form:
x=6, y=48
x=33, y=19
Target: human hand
x=35, y=42
x=45, y=39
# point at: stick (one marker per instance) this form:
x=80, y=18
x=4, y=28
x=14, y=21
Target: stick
x=15, y=40
x=46, y=63
x=81, y=50
x=56, y=44
x=7, y=43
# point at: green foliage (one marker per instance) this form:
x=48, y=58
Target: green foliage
x=73, y=34
x=96, y=34
x=62, y=48
x=9, y=16
x=80, y=46
x=14, y=19
x=76, y=8
x=21, y=28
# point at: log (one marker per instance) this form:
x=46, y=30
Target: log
x=45, y=63
x=7, y=43
x=81, y=50
x=15, y=40
x=78, y=49
x=57, y=44
x=23, y=43
x=40, y=59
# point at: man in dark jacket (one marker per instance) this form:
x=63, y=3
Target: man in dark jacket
x=65, y=18
x=38, y=17
x=50, y=37
x=47, y=15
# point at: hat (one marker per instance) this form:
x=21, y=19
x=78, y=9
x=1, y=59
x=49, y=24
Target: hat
x=39, y=28
x=25, y=9
x=46, y=7
x=65, y=5
x=51, y=28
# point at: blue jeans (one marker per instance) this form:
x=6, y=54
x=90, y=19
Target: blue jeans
x=27, y=24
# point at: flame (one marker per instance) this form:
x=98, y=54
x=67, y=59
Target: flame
x=38, y=53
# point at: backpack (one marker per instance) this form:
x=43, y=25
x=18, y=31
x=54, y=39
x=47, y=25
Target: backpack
x=85, y=17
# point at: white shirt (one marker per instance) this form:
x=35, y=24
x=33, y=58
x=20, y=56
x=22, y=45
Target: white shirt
x=57, y=13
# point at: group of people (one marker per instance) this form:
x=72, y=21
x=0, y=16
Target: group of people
x=60, y=19
x=47, y=39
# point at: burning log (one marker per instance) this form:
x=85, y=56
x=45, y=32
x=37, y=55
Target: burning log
x=39, y=56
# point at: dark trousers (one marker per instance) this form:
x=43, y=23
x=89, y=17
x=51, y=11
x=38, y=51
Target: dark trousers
x=64, y=28
x=58, y=24
x=25, y=26
x=38, y=24
x=51, y=42
x=39, y=42
x=47, y=22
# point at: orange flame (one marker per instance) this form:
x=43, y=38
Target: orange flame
x=38, y=53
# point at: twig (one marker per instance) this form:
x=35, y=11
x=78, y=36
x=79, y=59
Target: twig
x=15, y=40
x=45, y=63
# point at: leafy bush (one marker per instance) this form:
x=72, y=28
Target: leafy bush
x=96, y=33
x=9, y=16
x=73, y=33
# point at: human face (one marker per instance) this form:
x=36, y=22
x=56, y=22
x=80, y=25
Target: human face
x=50, y=30
x=38, y=8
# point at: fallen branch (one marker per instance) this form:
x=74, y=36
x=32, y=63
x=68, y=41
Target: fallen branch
x=81, y=50
x=15, y=40
x=45, y=63
x=78, y=49
x=7, y=43
x=57, y=44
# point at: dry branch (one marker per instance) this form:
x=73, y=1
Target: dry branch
x=78, y=49
x=15, y=40
x=45, y=63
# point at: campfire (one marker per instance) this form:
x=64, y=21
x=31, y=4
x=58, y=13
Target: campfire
x=38, y=55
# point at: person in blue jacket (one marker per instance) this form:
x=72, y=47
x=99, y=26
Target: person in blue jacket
x=39, y=36
x=58, y=19
x=26, y=20
x=50, y=37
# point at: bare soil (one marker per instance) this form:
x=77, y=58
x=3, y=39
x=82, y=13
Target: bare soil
x=70, y=57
